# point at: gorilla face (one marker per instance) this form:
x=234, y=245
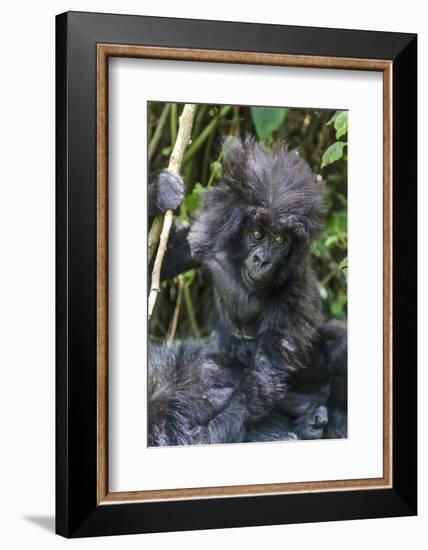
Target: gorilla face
x=258, y=223
x=281, y=427
x=312, y=424
x=267, y=250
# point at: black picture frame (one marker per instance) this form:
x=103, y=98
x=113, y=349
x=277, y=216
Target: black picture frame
x=78, y=512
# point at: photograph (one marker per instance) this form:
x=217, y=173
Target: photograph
x=247, y=269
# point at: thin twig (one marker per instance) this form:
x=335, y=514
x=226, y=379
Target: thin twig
x=154, y=236
x=173, y=122
x=207, y=155
x=203, y=136
x=235, y=130
x=158, y=132
x=175, y=161
x=191, y=311
x=214, y=173
x=331, y=274
x=174, y=321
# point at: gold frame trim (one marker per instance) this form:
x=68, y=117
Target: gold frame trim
x=104, y=51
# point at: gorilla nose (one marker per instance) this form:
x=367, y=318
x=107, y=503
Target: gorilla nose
x=263, y=264
x=321, y=417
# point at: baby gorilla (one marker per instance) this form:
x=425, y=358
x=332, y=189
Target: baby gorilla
x=253, y=235
x=279, y=427
x=311, y=409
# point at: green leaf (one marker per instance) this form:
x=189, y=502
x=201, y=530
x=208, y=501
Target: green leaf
x=333, y=118
x=166, y=151
x=267, y=120
x=333, y=153
x=341, y=123
x=338, y=306
x=331, y=240
x=192, y=202
x=216, y=169
x=189, y=276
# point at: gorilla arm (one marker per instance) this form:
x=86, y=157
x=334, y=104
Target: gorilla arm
x=166, y=192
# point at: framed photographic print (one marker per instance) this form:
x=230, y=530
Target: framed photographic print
x=236, y=274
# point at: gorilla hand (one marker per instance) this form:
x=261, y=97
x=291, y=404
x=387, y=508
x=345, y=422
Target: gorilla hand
x=166, y=192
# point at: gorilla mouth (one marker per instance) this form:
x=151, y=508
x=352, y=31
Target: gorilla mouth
x=251, y=282
x=314, y=432
x=316, y=426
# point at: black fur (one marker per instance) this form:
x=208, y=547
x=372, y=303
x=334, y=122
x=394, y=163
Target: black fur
x=268, y=326
x=280, y=427
x=337, y=404
x=166, y=192
x=189, y=389
x=274, y=324
x=311, y=406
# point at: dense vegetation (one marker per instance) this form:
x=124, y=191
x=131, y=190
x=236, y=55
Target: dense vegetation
x=183, y=307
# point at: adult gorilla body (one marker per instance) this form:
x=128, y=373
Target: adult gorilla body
x=253, y=235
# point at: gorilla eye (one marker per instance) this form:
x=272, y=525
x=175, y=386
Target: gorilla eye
x=257, y=235
x=279, y=240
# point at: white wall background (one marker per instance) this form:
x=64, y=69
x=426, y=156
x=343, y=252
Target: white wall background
x=27, y=273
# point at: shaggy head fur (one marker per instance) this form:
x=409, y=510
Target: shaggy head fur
x=275, y=189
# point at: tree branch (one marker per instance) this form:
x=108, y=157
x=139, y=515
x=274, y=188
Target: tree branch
x=175, y=161
x=174, y=323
